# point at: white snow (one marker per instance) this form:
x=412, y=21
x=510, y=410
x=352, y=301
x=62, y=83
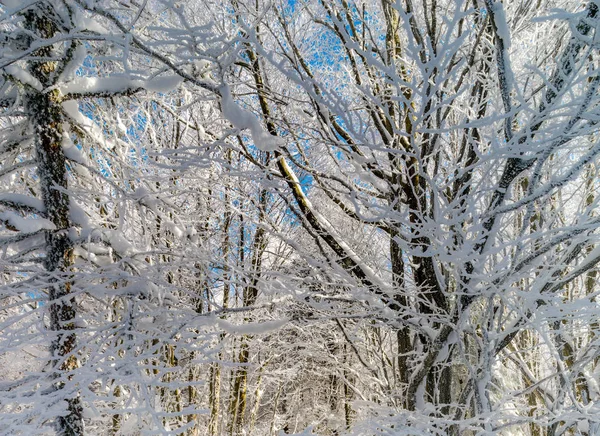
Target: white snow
x=30, y=225
x=501, y=24
x=87, y=23
x=144, y=196
x=71, y=68
x=71, y=108
x=251, y=328
x=115, y=85
x=162, y=84
x=25, y=200
x=174, y=228
x=71, y=151
x=78, y=215
x=23, y=76
x=82, y=85
x=118, y=242
x=243, y=119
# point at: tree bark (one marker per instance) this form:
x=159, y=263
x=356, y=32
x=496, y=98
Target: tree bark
x=47, y=121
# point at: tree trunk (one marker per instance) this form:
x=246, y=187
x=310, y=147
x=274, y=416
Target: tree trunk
x=240, y=387
x=46, y=117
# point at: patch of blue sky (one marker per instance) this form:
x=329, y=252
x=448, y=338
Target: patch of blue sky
x=33, y=294
x=38, y=297
x=134, y=132
x=291, y=4
x=89, y=68
x=328, y=51
x=305, y=178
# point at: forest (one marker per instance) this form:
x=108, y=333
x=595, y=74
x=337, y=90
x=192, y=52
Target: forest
x=299, y=217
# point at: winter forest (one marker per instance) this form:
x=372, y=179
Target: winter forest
x=277, y=217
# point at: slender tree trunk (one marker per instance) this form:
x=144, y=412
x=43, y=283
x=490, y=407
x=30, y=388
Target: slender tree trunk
x=257, y=398
x=591, y=277
x=240, y=387
x=215, y=369
x=275, y=406
x=214, y=398
x=347, y=393
x=404, y=345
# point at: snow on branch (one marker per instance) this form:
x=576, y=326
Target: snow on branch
x=243, y=119
x=16, y=222
x=24, y=202
x=104, y=87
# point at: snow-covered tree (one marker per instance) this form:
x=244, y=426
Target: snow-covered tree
x=462, y=132
x=87, y=220
x=350, y=216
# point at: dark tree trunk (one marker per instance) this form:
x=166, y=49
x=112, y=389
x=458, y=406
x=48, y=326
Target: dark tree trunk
x=46, y=117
